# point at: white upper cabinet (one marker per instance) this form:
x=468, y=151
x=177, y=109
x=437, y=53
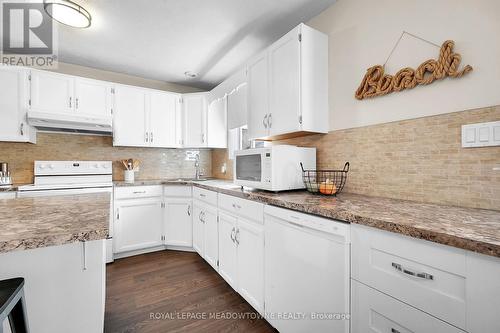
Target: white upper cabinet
x=93, y=98
x=163, y=107
x=129, y=123
x=145, y=118
x=258, y=96
x=194, y=109
x=52, y=92
x=288, y=86
x=237, y=115
x=14, y=105
x=284, y=84
x=217, y=123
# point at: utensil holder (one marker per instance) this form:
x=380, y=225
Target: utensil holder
x=129, y=176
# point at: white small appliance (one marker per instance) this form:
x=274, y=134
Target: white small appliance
x=274, y=168
x=73, y=177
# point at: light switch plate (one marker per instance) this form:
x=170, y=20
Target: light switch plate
x=481, y=134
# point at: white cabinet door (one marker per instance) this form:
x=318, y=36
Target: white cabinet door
x=258, y=96
x=13, y=104
x=162, y=118
x=211, y=235
x=129, y=123
x=93, y=97
x=61, y=295
x=237, y=115
x=250, y=241
x=194, y=114
x=217, y=123
x=138, y=224
x=198, y=229
x=284, y=84
x=483, y=293
x=227, y=249
x=178, y=222
x=51, y=92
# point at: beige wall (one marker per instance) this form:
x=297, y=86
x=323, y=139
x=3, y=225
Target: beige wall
x=418, y=159
x=157, y=163
x=98, y=74
x=363, y=32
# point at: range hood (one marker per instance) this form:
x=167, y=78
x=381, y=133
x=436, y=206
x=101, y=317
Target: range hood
x=70, y=123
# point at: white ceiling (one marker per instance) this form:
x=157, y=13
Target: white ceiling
x=161, y=39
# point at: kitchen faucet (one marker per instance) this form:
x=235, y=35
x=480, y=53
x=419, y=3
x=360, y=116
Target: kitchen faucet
x=197, y=167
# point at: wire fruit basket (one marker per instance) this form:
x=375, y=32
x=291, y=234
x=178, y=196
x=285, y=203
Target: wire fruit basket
x=327, y=182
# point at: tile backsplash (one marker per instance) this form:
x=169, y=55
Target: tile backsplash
x=418, y=159
x=156, y=162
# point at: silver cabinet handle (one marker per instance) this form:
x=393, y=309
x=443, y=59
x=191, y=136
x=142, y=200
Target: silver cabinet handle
x=76, y=103
x=203, y=138
x=199, y=217
x=232, y=234
x=147, y=137
x=22, y=129
x=118, y=213
x=270, y=120
x=189, y=210
x=70, y=102
x=393, y=330
x=139, y=192
x=264, y=121
x=237, y=236
x=421, y=275
x=84, y=249
x=202, y=195
x=235, y=206
x=151, y=136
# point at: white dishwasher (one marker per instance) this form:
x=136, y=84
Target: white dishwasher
x=307, y=265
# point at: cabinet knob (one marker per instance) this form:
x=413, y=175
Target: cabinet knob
x=264, y=121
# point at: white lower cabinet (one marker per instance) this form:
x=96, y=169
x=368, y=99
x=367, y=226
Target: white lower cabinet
x=375, y=312
x=178, y=222
x=64, y=286
x=228, y=258
x=241, y=250
x=178, y=216
x=138, y=224
x=205, y=232
x=420, y=286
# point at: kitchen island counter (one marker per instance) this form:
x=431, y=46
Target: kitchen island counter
x=30, y=223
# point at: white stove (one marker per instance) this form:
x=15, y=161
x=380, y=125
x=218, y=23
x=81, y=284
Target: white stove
x=73, y=177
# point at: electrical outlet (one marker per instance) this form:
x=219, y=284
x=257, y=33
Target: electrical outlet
x=481, y=134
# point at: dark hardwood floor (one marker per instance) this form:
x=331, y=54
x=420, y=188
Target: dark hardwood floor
x=145, y=292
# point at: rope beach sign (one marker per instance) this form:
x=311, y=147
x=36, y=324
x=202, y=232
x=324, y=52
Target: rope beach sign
x=377, y=83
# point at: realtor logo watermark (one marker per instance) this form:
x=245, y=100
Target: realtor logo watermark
x=28, y=35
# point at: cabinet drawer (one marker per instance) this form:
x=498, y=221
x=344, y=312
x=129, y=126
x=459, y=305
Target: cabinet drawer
x=207, y=196
x=426, y=275
x=242, y=207
x=177, y=191
x=373, y=311
x=133, y=192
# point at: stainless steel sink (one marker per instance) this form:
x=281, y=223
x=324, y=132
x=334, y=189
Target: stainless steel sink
x=193, y=179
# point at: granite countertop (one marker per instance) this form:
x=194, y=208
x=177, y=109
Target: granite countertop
x=29, y=223
x=476, y=230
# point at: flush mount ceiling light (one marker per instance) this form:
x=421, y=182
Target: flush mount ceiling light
x=68, y=13
x=190, y=75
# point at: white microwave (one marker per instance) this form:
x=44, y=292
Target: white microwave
x=275, y=168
